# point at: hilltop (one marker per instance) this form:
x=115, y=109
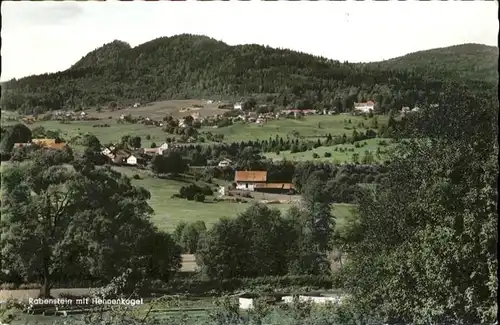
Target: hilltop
x=191, y=66
x=465, y=61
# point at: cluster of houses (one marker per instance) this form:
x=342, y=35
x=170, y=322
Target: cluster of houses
x=369, y=106
x=70, y=115
x=122, y=157
x=44, y=143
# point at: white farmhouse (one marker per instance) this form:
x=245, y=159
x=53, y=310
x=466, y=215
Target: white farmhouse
x=163, y=148
x=238, y=106
x=246, y=180
x=132, y=160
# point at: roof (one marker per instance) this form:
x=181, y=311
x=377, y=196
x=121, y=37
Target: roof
x=150, y=150
x=57, y=146
x=250, y=176
x=43, y=142
x=285, y=186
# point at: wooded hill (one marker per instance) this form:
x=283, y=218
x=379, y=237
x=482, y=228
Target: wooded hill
x=461, y=62
x=190, y=66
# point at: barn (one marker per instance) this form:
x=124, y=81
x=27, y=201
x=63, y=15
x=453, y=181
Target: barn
x=247, y=180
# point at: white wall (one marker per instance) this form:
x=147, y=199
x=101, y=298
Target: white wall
x=243, y=186
x=313, y=299
x=246, y=303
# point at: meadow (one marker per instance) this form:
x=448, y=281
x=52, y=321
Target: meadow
x=168, y=211
x=314, y=126
x=337, y=156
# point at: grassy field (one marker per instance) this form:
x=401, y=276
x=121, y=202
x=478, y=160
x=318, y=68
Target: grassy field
x=310, y=126
x=336, y=156
x=105, y=135
x=169, y=212
x=157, y=110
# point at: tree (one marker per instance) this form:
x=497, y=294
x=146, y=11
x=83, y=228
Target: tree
x=355, y=158
x=367, y=158
x=316, y=227
x=58, y=223
x=18, y=133
x=92, y=142
x=428, y=235
x=172, y=162
x=135, y=142
x=255, y=243
x=188, y=120
x=190, y=236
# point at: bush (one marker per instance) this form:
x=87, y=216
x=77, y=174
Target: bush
x=199, y=197
x=327, y=154
x=136, y=176
x=271, y=283
x=315, y=155
x=189, y=192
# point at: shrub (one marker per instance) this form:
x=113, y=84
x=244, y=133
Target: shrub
x=315, y=155
x=136, y=176
x=327, y=154
x=199, y=197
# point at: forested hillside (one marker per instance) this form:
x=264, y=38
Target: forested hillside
x=189, y=66
x=465, y=61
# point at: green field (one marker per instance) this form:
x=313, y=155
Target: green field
x=336, y=156
x=309, y=126
x=106, y=135
x=168, y=211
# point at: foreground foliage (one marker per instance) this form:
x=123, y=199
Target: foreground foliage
x=59, y=223
x=425, y=248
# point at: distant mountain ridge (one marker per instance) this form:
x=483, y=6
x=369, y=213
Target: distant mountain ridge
x=193, y=66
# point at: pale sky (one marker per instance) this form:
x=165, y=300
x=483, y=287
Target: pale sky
x=44, y=36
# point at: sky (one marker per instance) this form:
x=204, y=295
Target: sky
x=45, y=36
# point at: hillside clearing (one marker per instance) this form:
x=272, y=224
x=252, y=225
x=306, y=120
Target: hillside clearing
x=336, y=155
